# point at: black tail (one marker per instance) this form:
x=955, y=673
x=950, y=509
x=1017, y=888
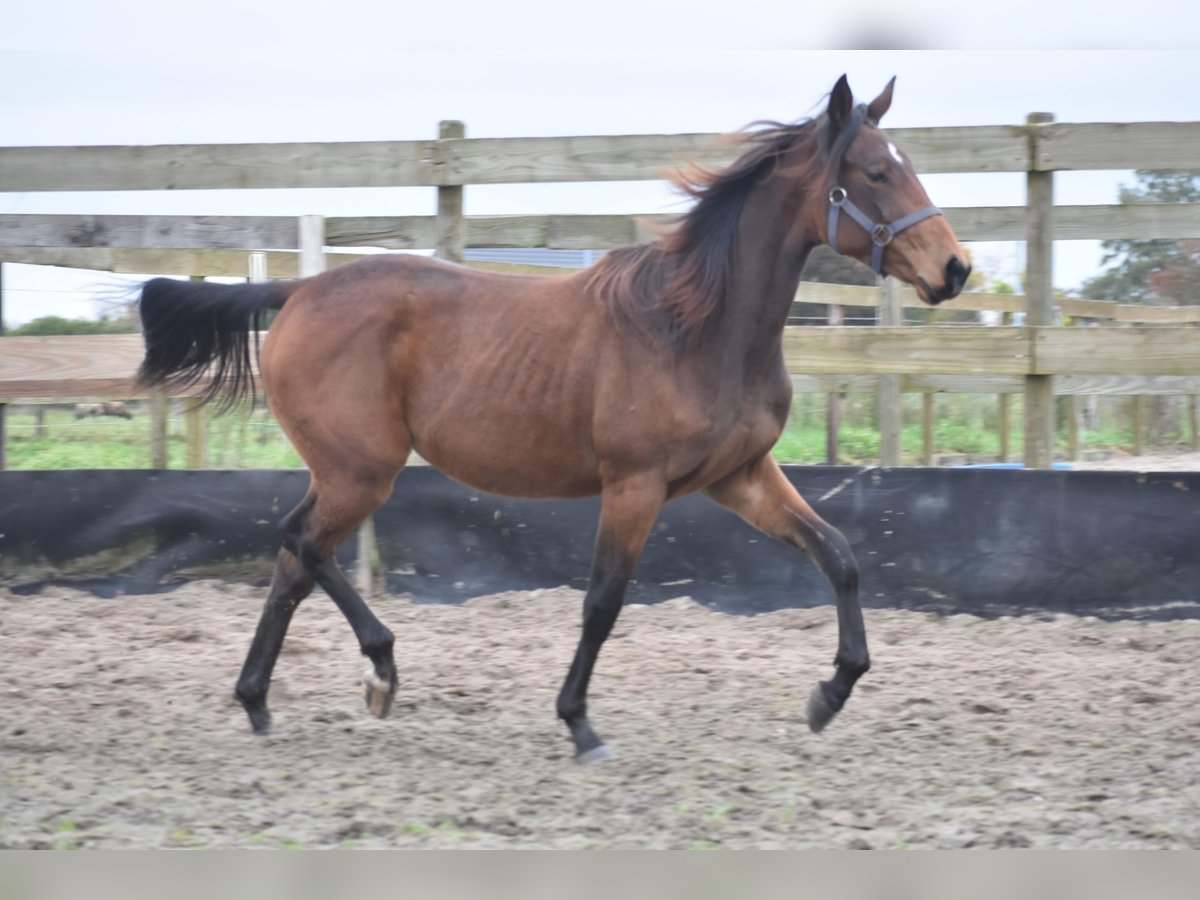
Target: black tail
x=191, y=327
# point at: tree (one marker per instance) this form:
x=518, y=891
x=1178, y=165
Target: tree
x=1154, y=272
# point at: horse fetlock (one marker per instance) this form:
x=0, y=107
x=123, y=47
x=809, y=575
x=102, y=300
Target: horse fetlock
x=854, y=668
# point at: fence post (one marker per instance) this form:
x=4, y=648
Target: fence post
x=1039, y=293
x=927, y=420
x=312, y=262
x=1005, y=403
x=891, y=314
x=195, y=418
x=833, y=405
x=1194, y=420
x=158, y=429
x=451, y=229
x=1139, y=425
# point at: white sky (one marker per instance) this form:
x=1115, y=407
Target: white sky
x=133, y=72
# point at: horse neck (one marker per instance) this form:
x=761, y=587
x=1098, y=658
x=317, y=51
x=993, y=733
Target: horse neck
x=770, y=249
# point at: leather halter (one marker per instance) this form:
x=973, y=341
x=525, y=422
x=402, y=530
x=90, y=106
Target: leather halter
x=881, y=233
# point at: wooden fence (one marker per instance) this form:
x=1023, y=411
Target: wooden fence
x=1152, y=350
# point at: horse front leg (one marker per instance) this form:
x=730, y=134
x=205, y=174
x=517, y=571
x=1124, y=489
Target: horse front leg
x=628, y=510
x=761, y=494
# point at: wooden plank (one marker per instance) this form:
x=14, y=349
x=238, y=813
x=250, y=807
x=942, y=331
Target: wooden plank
x=311, y=231
x=636, y=157
x=891, y=315
x=162, y=232
x=562, y=232
x=195, y=429
x=1131, y=145
x=936, y=349
x=972, y=148
x=159, y=407
x=574, y=232
x=1168, y=315
x=1120, y=221
x=1139, y=425
x=1004, y=385
x=181, y=167
x=391, y=232
x=450, y=233
x=465, y=161
x=927, y=420
x=1091, y=309
x=1039, y=299
x=37, y=366
x=959, y=359
x=999, y=148
x=224, y=263
x=1129, y=350
x=1091, y=222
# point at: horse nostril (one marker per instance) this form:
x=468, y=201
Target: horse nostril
x=956, y=275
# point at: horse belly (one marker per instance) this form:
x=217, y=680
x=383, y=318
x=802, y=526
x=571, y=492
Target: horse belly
x=529, y=462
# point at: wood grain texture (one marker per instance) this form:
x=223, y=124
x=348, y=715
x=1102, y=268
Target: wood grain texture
x=958, y=359
x=907, y=351
x=122, y=260
x=180, y=167
x=149, y=232
x=1130, y=350
x=1064, y=385
x=988, y=148
x=1131, y=145
x=571, y=232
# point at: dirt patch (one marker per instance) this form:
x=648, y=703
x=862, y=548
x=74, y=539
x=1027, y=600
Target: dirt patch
x=119, y=729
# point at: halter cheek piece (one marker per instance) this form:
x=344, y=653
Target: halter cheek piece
x=881, y=233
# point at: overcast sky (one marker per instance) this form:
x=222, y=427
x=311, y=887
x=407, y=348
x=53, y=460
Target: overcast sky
x=131, y=73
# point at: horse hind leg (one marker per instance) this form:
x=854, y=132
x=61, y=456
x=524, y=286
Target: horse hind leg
x=289, y=586
x=339, y=506
x=311, y=534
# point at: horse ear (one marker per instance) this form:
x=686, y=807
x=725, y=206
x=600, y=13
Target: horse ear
x=882, y=103
x=841, y=102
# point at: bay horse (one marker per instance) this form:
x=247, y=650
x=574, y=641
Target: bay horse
x=656, y=373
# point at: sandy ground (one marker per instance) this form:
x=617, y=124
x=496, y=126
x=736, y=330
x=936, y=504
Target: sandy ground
x=1158, y=461
x=118, y=729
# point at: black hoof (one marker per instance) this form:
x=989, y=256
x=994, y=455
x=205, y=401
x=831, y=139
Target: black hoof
x=596, y=754
x=260, y=719
x=820, y=710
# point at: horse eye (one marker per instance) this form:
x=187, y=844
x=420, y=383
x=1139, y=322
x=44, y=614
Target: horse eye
x=877, y=177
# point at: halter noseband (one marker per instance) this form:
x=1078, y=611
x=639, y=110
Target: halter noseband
x=881, y=233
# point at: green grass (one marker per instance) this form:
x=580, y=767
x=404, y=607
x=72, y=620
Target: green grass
x=235, y=441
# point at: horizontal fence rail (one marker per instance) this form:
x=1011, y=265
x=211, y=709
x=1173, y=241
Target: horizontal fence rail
x=462, y=161
x=61, y=367
x=22, y=233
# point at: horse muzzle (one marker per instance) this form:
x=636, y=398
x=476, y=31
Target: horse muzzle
x=955, y=277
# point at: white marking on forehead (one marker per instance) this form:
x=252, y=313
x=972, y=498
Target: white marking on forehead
x=895, y=152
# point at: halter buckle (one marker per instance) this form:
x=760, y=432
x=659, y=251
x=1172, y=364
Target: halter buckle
x=882, y=234
x=838, y=196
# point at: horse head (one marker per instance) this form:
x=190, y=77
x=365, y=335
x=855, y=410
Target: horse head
x=892, y=225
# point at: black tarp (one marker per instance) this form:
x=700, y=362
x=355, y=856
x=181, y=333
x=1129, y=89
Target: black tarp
x=953, y=540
